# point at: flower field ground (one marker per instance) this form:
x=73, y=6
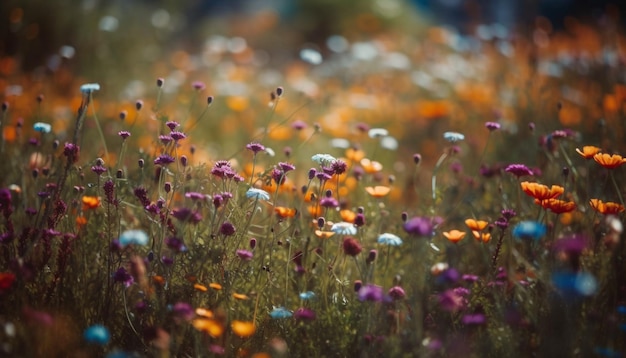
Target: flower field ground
x=395, y=189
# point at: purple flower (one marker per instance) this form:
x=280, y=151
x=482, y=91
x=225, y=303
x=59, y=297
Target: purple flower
x=298, y=125
x=98, y=169
x=70, y=151
x=519, y=170
x=492, y=126
x=187, y=215
x=176, y=244
x=227, y=229
x=473, y=319
x=469, y=278
x=339, y=166
x=171, y=125
x=508, y=213
x=329, y=202
x=286, y=167
x=122, y=276
x=420, y=226
x=194, y=195
x=198, y=85
x=255, y=147
x=397, y=293
x=183, y=311
x=451, y=301
x=165, y=139
x=176, y=136
x=164, y=159
x=124, y=134
x=304, y=314
x=370, y=292
x=244, y=255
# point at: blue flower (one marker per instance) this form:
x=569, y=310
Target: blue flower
x=97, y=334
x=134, y=237
x=280, y=313
x=389, y=239
x=581, y=284
x=343, y=228
x=42, y=127
x=529, y=230
x=453, y=137
x=88, y=88
x=258, y=194
x=307, y=295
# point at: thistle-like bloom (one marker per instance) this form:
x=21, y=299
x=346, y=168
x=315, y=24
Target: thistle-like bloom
x=454, y=236
x=389, y=239
x=134, y=237
x=609, y=161
x=244, y=255
x=88, y=88
x=453, y=137
x=227, y=229
x=255, y=147
x=492, y=126
x=351, y=246
x=608, y=208
x=420, y=226
x=257, y=194
x=164, y=159
x=519, y=170
x=176, y=135
x=529, y=230
x=42, y=127
x=396, y=293
x=123, y=134
x=588, y=151
x=343, y=228
x=370, y=292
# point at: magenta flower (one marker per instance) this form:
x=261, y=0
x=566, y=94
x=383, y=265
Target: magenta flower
x=164, y=159
x=227, y=229
x=396, y=293
x=244, y=255
x=370, y=292
x=255, y=147
x=304, y=314
x=351, y=246
x=492, y=126
x=519, y=170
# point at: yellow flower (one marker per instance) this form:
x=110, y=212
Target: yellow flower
x=243, y=329
x=378, y=191
x=588, y=151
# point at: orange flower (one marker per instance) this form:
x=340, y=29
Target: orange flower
x=481, y=236
x=541, y=192
x=608, y=208
x=204, y=312
x=81, y=221
x=347, y=215
x=91, y=202
x=315, y=211
x=378, y=191
x=159, y=280
x=324, y=234
x=243, y=329
x=476, y=225
x=200, y=287
x=209, y=326
x=354, y=155
x=454, y=235
x=588, y=151
x=558, y=206
x=240, y=296
x=371, y=166
x=609, y=161
x=215, y=286
x=284, y=212
x=6, y=280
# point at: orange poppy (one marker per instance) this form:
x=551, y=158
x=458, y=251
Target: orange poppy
x=354, y=155
x=284, y=212
x=476, y=225
x=200, y=287
x=607, y=208
x=378, y=191
x=209, y=326
x=541, y=192
x=91, y=202
x=371, y=166
x=159, y=280
x=215, y=286
x=454, y=235
x=315, y=211
x=609, y=161
x=243, y=329
x=324, y=234
x=240, y=296
x=81, y=221
x=204, y=312
x=588, y=151
x=347, y=215
x=558, y=206
x=481, y=236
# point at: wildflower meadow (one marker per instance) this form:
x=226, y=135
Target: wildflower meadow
x=397, y=189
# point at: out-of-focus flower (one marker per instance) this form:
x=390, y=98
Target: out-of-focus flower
x=304, y=314
x=588, y=151
x=529, y=230
x=255, y=147
x=284, y=212
x=323, y=159
x=88, y=88
x=257, y=194
x=476, y=225
x=396, y=292
x=243, y=329
x=378, y=191
x=389, y=239
x=343, y=228
x=351, y=246
x=420, y=226
x=454, y=235
x=453, y=137
x=371, y=166
x=474, y=319
x=91, y=202
x=609, y=161
x=164, y=159
x=227, y=229
x=370, y=292
x=308, y=295
x=324, y=234
x=377, y=132
x=208, y=325
x=42, y=127
x=573, y=284
x=608, y=208
x=481, y=236
x=245, y=255
x=450, y=300
x=492, y=126
x=134, y=237
x=280, y=313
x=519, y=170
x=97, y=334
